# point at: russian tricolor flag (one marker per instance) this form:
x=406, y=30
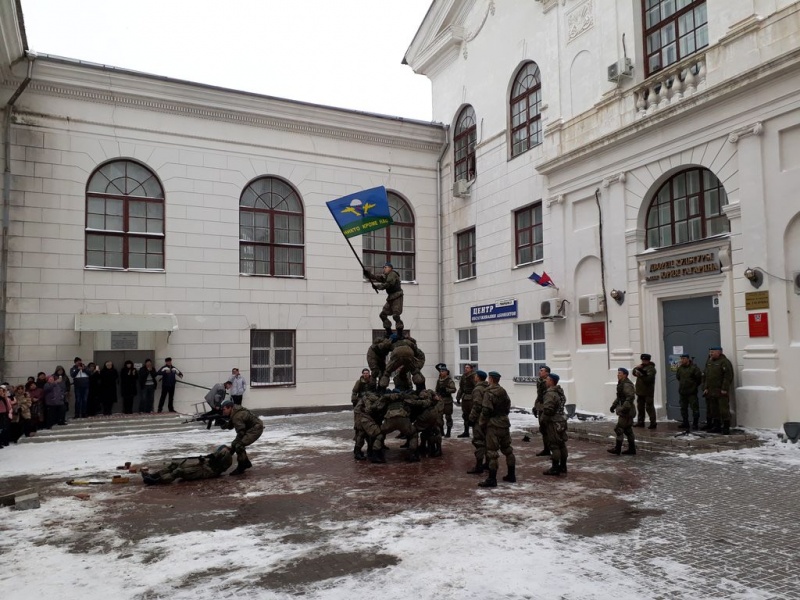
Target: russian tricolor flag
x=543, y=279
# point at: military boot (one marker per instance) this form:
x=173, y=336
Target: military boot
x=726, y=428
x=511, y=477
x=545, y=452
x=447, y=433
x=631, y=448
x=477, y=469
x=240, y=469
x=639, y=424
x=413, y=457
x=358, y=454
x=377, y=456
x=695, y=422
x=652, y=425
x=563, y=465
x=555, y=469
x=491, y=480
x=466, y=431
x=388, y=332
x=246, y=464
x=617, y=449
x=716, y=426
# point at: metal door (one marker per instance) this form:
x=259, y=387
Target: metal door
x=691, y=326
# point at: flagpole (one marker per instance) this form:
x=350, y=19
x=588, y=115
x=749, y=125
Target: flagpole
x=358, y=258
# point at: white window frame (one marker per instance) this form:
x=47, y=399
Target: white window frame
x=529, y=347
x=466, y=352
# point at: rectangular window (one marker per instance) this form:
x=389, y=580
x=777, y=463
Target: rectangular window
x=673, y=30
x=467, y=349
x=530, y=344
x=465, y=242
x=272, y=354
x=528, y=234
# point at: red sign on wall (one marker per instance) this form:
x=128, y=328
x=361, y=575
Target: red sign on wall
x=593, y=333
x=759, y=324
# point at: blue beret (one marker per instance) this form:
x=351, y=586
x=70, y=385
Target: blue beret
x=623, y=370
x=494, y=374
x=393, y=338
x=685, y=356
x=387, y=264
x=554, y=377
x=716, y=348
x=481, y=374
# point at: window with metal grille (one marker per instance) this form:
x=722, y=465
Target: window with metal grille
x=673, y=29
x=271, y=237
x=465, y=242
x=124, y=217
x=272, y=357
x=686, y=208
x=464, y=138
x=526, y=106
x=530, y=344
x=467, y=348
x=528, y=234
x=394, y=244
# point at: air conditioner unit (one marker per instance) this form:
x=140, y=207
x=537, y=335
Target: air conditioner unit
x=621, y=68
x=461, y=188
x=551, y=309
x=796, y=279
x=591, y=304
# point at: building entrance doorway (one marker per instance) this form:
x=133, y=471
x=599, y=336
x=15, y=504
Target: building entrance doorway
x=118, y=357
x=691, y=326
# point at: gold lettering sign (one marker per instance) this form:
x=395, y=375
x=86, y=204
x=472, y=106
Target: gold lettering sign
x=756, y=300
x=682, y=267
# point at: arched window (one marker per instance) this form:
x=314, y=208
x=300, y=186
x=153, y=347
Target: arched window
x=464, y=139
x=271, y=240
x=394, y=244
x=124, y=217
x=526, y=105
x=687, y=208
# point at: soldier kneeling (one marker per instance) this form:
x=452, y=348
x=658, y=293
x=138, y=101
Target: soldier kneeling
x=192, y=469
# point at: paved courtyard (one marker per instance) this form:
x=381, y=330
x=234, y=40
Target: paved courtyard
x=310, y=521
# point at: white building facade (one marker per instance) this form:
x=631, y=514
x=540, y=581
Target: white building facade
x=642, y=153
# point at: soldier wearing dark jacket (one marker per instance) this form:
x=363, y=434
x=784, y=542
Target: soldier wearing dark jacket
x=554, y=422
x=494, y=416
x=541, y=390
x=364, y=384
x=689, y=379
x=645, y=374
x=478, y=431
x=717, y=383
x=248, y=429
x=464, y=396
x=625, y=407
x=389, y=281
x=446, y=387
x=191, y=469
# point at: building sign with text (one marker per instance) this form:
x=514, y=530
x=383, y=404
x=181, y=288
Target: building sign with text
x=682, y=267
x=502, y=309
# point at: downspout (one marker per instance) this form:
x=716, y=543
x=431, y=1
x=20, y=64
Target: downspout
x=8, y=111
x=603, y=275
x=440, y=248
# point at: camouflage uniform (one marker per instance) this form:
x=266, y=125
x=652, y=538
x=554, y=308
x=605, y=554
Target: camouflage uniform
x=406, y=354
x=398, y=418
x=429, y=424
x=625, y=407
x=541, y=390
x=446, y=388
x=689, y=379
x=645, y=392
x=376, y=357
x=365, y=426
x=361, y=386
x=465, y=386
x=192, y=469
x=494, y=417
x=248, y=429
x=478, y=431
x=554, y=421
x=718, y=378
x=394, y=299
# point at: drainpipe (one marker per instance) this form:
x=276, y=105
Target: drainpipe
x=603, y=276
x=440, y=249
x=8, y=111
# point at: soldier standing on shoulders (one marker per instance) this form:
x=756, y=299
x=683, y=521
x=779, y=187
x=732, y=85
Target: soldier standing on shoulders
x=689, y=379
x=478, y=431
x=717, y=381
x=248, y=429
x=446, y=387
x=494, y=416
x=645, y=374
x=541, y=390
x=464, y=396
x=625, y=407
x=555, y=425
x=389, y=281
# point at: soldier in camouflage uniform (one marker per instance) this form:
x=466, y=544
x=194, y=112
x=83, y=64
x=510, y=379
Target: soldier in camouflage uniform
x=429, y=425
x=191, y=469
x=494, y=416
x=625, y=407
x=555, y=425
x=689, y=379
x=645, y=374
x=248, y=429
x=478, y=431
x=402, y=359
x=389, y=281
x=412, y=363
x=364, y=384
x=541, y=390
x=367, y=429
x=717, y=382
x=376, y=357
x=398, y=417
x=464, y=396
x=446, y=387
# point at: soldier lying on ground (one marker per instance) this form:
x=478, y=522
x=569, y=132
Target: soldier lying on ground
x=191, y=468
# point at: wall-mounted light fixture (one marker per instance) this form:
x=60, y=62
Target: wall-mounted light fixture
x=618, y=296
x=754, y=276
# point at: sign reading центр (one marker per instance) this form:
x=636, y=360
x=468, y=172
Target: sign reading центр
x=502, y=309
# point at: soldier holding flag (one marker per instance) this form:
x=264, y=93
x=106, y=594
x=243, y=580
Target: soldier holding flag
x=389, y=281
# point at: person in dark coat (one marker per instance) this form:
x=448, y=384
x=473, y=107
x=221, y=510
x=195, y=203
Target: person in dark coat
x=128, y=381
x=109, y=377
x=94, y=405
